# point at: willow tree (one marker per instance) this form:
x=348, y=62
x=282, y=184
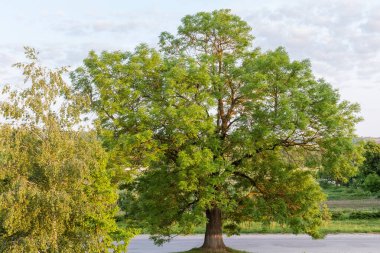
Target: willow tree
x=219, y=132
x=55, y=190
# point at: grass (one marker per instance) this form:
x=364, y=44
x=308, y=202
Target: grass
x=335, y=226
x=352, y=226
x=331, y=227
x=346, y=193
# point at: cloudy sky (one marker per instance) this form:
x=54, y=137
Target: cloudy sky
x=341, y=38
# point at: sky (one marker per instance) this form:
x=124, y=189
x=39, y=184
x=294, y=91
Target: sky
x=341, y=38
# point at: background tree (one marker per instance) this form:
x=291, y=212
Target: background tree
x=55, y=191
x=369, y=171
x=218, y=132
x=371, y=155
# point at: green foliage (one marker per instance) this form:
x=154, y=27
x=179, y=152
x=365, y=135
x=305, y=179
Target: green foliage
x=368, y=178
x=350, y=214
x=208, y=122
x=55, y=191
x=372, y=183
x=371, y=163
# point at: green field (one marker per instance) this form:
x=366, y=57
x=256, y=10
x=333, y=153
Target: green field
x=347, y=193
x=331, y=227
x=334, y=226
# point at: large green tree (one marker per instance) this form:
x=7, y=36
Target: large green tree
x=218, y=132
x=55, y=191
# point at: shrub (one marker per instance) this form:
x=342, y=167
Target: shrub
x=372, y=183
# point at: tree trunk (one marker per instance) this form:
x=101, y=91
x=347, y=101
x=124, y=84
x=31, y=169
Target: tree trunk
x=213, y=236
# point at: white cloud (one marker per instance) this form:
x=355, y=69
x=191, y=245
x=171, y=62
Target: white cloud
x=341, y=38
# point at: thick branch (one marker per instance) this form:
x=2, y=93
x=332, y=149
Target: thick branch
x=241, y=174
x=306, y=143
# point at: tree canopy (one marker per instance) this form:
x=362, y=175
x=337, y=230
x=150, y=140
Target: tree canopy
x=371, y=163
x=55, y=191
x=217, y=131
x=369, y=172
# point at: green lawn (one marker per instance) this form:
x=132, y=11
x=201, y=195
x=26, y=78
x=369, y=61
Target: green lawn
x=334, y=226
x=352, y=226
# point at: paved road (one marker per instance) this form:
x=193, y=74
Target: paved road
x=340, y=243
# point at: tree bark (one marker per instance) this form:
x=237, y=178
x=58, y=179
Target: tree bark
x=213, y=236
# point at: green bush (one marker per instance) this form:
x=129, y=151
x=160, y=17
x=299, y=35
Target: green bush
x=338, y=215
x=372, y=183
x=355, y=215
x=365, y=215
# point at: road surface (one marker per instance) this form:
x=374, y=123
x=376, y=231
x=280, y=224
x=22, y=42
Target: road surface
x=339, y=243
